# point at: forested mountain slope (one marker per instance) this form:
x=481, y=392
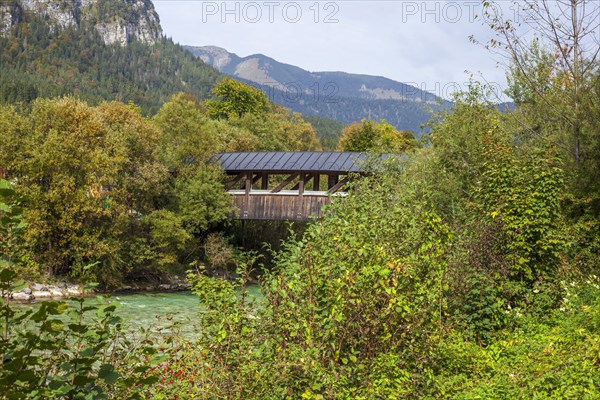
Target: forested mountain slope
x=95, y=49
x=336, y=95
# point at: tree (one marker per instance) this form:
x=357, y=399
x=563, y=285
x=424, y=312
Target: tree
x=186, y=136
x=502, y=196
x=189, y=138
x=359, y=136
x=189, y=135
x=293, y=131
x=328, y=130
x=67, y=198
x=132, y=143
x=90, y=175
x=14, y=127
x=235, y=99
x=381, y=137
x=554, y=79
x=279, y=130
x=168, y=237
x=359, y=296
x=234, y=138
x=202, y=199
x=248, y=108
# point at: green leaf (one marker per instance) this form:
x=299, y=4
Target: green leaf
x=54, y=325
x=6, y=189
x=78, y=328
x=56, y=307
x=63, y=390
x=108, y=374
x=7, y=275
x=149, y=380
x=89, y=266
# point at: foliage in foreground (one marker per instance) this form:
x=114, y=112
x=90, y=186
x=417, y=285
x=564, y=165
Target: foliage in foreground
x=69, y=350
x=62, y=349
x=555, y=357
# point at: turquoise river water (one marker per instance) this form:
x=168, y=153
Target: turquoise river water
x=156, y=310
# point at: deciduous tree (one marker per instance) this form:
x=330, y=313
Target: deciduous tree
x=381, y=137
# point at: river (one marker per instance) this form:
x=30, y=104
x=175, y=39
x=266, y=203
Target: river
x=156, y=310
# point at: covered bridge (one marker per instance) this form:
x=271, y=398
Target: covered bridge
x=287, y=185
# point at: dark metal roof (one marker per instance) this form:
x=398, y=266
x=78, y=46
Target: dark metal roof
x=288, y=161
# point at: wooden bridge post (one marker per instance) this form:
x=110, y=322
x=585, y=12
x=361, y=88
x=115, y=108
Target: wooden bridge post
x=301, y=184
x=247, y=193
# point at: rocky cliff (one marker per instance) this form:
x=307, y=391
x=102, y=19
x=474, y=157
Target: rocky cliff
x=117, y=21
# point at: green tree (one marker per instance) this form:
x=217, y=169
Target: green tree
x=249, y=109
x=89, y=175
x=132, y=146
x=235, y=99
x=186, y=135
x=168, y=237
x=202, y=199
x=12, y=224
x=234, y=138
x=294, y=132
x=189, y=138
x=501, y=195
x=359, y=297
x=328, y=130
x=381, y=137
x=14, y=127
x=554, y=80
x=279, y=130
x=359, y=136
x=67, y=200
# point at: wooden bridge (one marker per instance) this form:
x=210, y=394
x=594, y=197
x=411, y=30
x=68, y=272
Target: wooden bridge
x=287, y=185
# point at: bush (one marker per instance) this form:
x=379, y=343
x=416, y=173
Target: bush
x=68, y=350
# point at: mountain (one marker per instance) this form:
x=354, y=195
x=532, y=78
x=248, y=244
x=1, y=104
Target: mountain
x=266, y=71
x=115, y=21
x=95, y=49
x=337, y=95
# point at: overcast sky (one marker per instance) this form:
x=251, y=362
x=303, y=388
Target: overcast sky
x=425, y=43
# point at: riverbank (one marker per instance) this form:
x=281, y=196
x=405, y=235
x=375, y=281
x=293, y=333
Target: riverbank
x=38, y=291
